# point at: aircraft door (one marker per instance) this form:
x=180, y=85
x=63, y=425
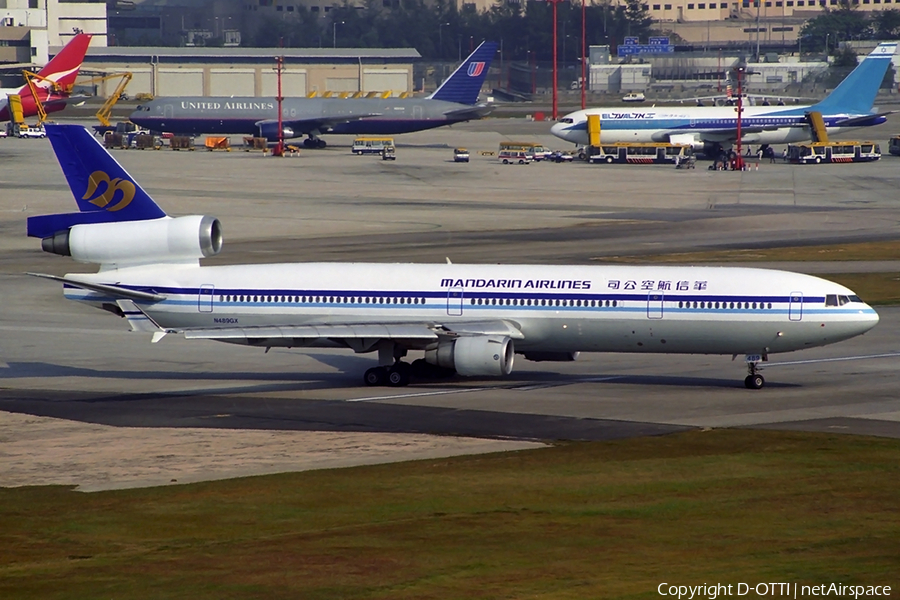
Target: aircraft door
x=417, y=112
x=654, y=306
x=205, y=298
x=455, y=301
x=795, y=308
x=168, y=111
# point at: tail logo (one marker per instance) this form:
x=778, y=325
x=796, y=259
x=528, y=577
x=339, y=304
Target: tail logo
x=124, y=186
x=475, y=69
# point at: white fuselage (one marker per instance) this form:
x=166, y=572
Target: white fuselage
x=760, y=125
x=710, y=310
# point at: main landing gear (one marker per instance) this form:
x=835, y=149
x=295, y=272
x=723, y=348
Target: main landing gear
x=314, y=142
x=754, y=381
x=399, y=373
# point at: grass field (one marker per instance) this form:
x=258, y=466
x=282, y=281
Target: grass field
x=573, y=521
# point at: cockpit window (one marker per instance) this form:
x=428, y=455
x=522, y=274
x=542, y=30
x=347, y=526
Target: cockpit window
x=567, y=120
x=855, y=299
x=831, y=300
x=843, y=300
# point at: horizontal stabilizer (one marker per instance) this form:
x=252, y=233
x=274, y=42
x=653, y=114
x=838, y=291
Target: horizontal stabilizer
x=42, y=226
x=112, y=290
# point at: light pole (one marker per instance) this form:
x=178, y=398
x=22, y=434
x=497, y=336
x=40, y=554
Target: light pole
x=334, y=33
x=583, y=57
x=555, y=114
x=441, y=39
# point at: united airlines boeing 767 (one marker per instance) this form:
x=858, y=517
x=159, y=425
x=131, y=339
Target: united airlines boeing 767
x=705, y=128
x=472, y=319
x=455, y=101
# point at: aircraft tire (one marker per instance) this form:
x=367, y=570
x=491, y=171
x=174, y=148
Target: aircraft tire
x=375, y=376
x=321, y=143
x=754, y=382
x=398, y=375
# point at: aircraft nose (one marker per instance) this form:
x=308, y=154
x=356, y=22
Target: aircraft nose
x=558, y=129
x=868, y=319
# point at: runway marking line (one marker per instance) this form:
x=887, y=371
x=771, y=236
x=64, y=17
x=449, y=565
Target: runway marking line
x=839, y=359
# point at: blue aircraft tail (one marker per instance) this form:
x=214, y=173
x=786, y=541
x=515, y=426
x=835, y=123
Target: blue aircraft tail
x=103, y=190
x=855, y=95
x=465, y=83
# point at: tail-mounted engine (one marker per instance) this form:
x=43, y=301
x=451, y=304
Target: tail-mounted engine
x=166, y=240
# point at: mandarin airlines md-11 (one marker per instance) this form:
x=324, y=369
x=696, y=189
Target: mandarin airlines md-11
x=712, y=127
x=455, y=101
x=471, y=319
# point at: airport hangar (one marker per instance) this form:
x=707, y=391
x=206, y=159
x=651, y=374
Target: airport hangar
x=251, y=71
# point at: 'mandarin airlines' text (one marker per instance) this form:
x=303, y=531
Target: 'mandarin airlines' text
x=519, y=284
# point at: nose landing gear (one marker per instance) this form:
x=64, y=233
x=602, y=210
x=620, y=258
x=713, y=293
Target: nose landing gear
x=754, y=381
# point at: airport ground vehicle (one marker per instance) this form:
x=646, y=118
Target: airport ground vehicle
x=894, y=145
x=460, y=155
x=521, y=157
x=650, y=153
x=560, y=156
x=834, y=152
x=3, y=133
x=371, y=145
x=32, y=131
x=634, y=97
x=538, y=152
x=388, y=153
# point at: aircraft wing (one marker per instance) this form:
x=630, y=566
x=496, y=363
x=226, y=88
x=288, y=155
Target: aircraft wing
x=317, y=124
x=359, y=336
x=470, y=112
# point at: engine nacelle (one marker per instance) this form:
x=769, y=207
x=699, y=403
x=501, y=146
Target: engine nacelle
x=269, y=130
x=551, y=356
x=475, y=355
x=163, y=240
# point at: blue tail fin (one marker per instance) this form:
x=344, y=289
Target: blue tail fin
x=855, y=95
x=103, y=190
x=465, y=83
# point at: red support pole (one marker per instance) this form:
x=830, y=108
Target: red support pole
x=739, y=163
x=583, y=58
x=279, y=149
x=555, y=110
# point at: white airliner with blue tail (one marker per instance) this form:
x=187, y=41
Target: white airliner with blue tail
x=705, y=128
x=471, y=319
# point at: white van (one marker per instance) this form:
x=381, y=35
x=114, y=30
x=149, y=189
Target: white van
x=515, y=156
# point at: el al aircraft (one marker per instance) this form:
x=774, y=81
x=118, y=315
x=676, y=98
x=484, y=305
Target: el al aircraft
x=61, y=70
x=705, y=128
x=455, y=101
x=471, y=319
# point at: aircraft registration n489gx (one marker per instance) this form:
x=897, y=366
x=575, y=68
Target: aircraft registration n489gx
x=467, y=319
x=708, y=128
